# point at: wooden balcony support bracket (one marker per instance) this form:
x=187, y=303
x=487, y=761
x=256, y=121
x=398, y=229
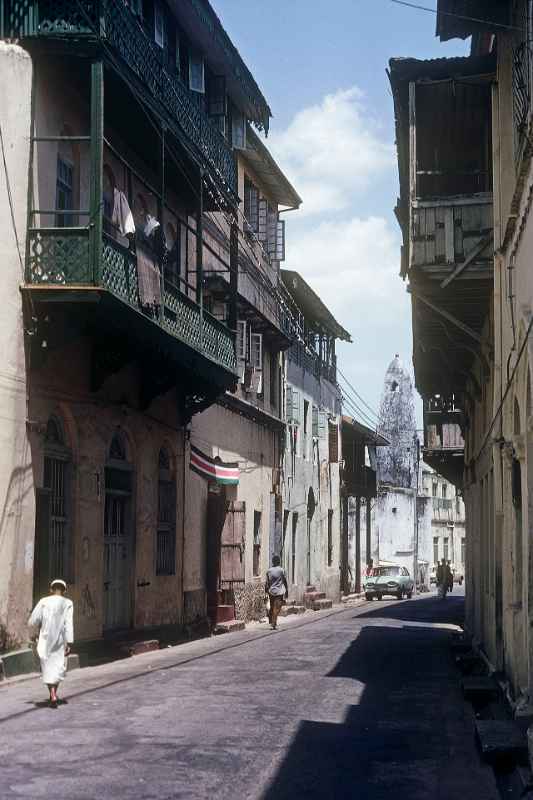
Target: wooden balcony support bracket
x=97, y=164
x=460, y=268
x=446, y=315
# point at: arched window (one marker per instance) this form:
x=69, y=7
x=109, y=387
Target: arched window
x=166, y=517
x=117, y=449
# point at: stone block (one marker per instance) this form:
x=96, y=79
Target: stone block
x=229, y=627
x=321, y=604
x=137, y=648
x=288, y=611
x=502, y=740
x=19, y=662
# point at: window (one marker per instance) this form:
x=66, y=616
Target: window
x=444, y=490
x=55, y=481
x=436, y=549
x=463, y=551
x=257, y=543
x=251, y=205
x=238, y=130
x=64, y=191
x=293, y=405
x=272, y=231
x=196, y=73
x=445, y=553
x=262, y=234
x=333, y=442
x=279, y=254
x=315, y=421
x=293, y=546
x=256, y=350
x=434, y=489
x=330, y=537
x=166, y=518
x=159, y=23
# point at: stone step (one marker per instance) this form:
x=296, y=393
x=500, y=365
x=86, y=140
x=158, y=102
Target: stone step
x=229, y=627
x=287, y=611
x=322, y=604
x=137, y=648
x=502, y=741
x=18, y=662
x=224, y=613
x=311, y=597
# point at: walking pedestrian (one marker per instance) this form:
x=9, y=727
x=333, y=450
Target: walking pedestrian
x=277, y=588
x=450, y=576
x=53, y=616
x=443, y=573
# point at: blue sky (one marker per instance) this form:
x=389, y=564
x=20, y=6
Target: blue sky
x=321, y=65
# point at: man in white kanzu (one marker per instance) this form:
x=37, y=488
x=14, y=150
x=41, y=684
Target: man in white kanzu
x=53, y=616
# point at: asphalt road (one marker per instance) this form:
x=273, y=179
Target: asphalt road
x=364, y=703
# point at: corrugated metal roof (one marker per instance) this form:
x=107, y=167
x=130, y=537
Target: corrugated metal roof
x=367, y=434
x=311, y=305
x=268, y=171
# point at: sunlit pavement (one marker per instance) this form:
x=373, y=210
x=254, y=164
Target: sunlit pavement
x=363, y=703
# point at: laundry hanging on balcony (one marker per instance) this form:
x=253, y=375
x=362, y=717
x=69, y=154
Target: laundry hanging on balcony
x=214, y=469
x=122, y=217
x=149, y=277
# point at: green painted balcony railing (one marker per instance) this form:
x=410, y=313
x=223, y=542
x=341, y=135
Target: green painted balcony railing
x=60, y=257
x=112, y=22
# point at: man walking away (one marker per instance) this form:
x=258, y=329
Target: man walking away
x=442, y=578
x=276, y=588
x=450, y=576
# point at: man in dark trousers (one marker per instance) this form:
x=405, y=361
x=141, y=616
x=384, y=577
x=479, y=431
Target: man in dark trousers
x=276, y=587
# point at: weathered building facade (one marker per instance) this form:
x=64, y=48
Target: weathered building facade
x=472, y=299
x=447, y=534
x=311, y=526
x=128, y=146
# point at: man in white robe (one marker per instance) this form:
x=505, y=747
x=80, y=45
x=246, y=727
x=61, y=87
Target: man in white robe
x=53, y=615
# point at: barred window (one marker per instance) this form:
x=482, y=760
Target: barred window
x=166, y=517
x=55, y=482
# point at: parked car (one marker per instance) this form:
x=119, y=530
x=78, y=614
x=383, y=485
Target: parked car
x=394, y=581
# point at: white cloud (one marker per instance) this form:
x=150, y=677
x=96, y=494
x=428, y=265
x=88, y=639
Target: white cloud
x=332, y=151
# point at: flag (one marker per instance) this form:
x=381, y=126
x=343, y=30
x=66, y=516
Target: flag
x=214, y=469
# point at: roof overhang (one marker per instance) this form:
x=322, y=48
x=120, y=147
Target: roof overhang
x=268, y=172
x=459, y=19
x=361, y=431
x=204, y=28
x=311, y=306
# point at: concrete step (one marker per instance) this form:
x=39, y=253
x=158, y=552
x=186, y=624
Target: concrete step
x=18, y=662
x=137, y=648
x=224, y=613
x=322, y=604
x=287, y=611
x=229, y=627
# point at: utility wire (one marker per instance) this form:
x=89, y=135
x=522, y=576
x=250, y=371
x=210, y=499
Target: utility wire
x=356, y=393
x=464, y=17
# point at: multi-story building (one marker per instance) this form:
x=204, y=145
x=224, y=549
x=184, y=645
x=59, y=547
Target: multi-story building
x=463, y=132
x=311, y=524
x=447, y=534
x=120, y=126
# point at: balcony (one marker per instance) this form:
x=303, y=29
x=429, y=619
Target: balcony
x=111, y=26
x=59, y=259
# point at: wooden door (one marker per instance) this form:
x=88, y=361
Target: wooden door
x=117, y=560
x=232, y=546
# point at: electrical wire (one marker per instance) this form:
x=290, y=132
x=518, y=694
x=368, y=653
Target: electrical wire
x=464, y=17
x=356, y=393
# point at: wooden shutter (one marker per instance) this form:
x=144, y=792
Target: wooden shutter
x=280, y=241
x=272, y=227
x=322, y=423
x=315, y=421
x=232, y=545
x=196, y=73
x=333, y=443
x=288, y=403
x=295, y=406
x=242, y=350
x=262, y=221
x=251, y=205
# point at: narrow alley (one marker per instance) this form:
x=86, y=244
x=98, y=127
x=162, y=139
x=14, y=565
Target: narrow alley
x=360, y=702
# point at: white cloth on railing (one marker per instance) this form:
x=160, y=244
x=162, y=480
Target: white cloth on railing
x=148, y=276
x=151, y=224
x=122, y=217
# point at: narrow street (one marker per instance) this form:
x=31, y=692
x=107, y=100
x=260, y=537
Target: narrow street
x=359, y=703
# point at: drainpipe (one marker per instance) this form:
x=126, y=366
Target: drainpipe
x=183, y=500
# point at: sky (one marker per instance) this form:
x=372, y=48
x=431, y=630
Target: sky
x=321, y=65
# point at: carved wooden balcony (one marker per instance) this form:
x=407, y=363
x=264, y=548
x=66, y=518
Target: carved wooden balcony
x=111, y=24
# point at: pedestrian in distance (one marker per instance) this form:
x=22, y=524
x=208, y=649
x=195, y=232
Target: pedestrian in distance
x=450, y=576
x=369, y=568
x=276, y=588
x=443, y=578
x=53, y=615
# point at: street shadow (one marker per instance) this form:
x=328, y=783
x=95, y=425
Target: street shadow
x=429, y=610
x=390, y=742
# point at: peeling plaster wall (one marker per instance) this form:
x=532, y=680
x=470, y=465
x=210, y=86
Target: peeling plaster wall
x=16, y=473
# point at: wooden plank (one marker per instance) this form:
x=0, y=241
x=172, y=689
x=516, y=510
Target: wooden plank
x=430, y=236
x=449, y=249
x=446, y=315
x=439, y=234
x=480, y=246
x=418, y=244
x=458, y=232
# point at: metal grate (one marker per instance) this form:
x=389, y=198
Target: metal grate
x=166, y=528
x=55, y=481
x=522, y=82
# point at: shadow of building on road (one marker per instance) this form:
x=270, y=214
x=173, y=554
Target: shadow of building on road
x=396, y=737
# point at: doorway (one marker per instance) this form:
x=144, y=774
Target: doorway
x=311, y=505
x=118, y=538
